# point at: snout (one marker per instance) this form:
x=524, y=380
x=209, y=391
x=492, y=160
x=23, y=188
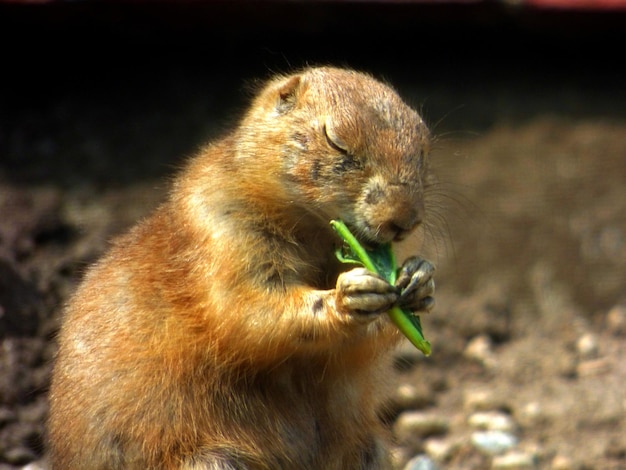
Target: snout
x=391, y=212
x=399, y=220
x=404, y=219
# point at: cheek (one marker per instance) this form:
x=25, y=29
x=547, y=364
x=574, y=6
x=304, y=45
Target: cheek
x=373, y=194
x=315, y=172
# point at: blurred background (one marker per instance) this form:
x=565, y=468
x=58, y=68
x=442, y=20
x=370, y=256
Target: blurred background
x=101, y=102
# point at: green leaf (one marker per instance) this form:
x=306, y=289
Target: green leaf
x=381, y=260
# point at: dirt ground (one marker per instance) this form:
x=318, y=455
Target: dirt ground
x=527, y=226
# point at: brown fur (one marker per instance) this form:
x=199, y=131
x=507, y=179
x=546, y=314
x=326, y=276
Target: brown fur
x=215, y=334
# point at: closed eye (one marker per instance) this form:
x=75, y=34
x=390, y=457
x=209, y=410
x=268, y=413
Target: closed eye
x=333, y=144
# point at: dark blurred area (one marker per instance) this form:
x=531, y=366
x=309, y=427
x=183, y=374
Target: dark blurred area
x=127, y=56
x=58, y=39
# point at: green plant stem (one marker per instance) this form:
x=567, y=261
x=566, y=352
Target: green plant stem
x=399, y=317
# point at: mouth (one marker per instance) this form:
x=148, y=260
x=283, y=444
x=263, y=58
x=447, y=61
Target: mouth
x=381, y=235
x=372, y=236
x=369, y=245
x=354, y=245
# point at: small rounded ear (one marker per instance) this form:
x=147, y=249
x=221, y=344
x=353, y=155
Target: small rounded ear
x=287, y=94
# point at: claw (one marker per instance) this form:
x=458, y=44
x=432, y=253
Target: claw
x=414, y=271
x=416, y=285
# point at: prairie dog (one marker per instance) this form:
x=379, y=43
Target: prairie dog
x=221, y=332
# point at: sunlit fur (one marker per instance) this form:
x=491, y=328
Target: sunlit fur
x=211, y=336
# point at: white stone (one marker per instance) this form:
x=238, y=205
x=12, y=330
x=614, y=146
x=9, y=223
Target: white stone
x=493, y=442
x=421, y=462
x=587, y=346
x=38, y=465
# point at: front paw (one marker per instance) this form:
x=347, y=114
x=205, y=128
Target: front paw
x=416, y=284
x=364, y=294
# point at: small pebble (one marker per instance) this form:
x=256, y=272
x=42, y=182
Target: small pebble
x=482, y=400
x=514, y=460
x=531, y=414
x=19, y=455
x=440, y=449
x=421, y=462
x=410, y=397
x=38, y=465
x=616, y=320
x=480, y=349
x=587, y=346
x=493, y=442
x=411, y=424
x=492, y=421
